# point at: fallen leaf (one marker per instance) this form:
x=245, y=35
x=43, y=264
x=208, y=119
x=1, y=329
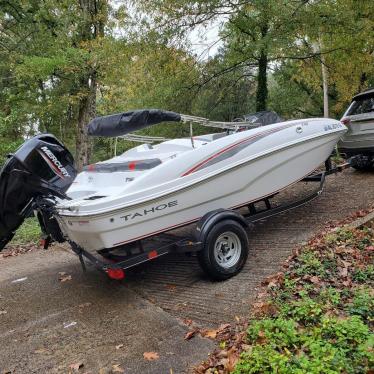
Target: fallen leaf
x=222, y=353
x=211, y=334
x=343, y=272
x=119, y=346
x=263, y=308
x=117, y=369
x=150, y=356
x=314, y=279
x=171, y=287
x=190, y=334
x=223, y=327
x=272, y=284
x=76, y=366
x=84, y=305
x=273, y=280
x=233, y=358
x=63, y=277
x=41, y=351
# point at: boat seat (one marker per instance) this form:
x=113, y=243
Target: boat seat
x=135, y=165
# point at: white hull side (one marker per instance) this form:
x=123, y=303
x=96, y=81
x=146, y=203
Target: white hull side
x=233, y=188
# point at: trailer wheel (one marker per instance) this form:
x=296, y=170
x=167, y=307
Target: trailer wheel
x=225, y=250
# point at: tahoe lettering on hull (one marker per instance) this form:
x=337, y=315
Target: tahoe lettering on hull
x=148, y=211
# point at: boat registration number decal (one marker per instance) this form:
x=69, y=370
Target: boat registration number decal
x=149, y=211
x=333, y=126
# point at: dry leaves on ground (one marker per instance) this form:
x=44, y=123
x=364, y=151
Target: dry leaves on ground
x=151, y=356
x=76, y=366
x=190, y=334
x=63, y=277
x=117, y=369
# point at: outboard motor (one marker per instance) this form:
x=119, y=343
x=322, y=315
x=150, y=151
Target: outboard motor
x=41, y=167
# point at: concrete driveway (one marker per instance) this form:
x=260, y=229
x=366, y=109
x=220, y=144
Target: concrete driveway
x=49, y=324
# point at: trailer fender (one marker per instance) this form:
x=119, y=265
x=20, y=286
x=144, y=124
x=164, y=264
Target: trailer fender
x=212, y=218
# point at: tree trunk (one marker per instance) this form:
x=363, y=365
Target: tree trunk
x=262, y=86
x=262, y=81
x=94, y=15
x=86, y=111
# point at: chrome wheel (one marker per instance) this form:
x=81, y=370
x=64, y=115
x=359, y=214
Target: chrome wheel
x=227, y=249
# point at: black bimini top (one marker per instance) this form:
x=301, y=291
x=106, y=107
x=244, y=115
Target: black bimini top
x=123, y=123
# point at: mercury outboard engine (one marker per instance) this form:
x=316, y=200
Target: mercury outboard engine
x=41, y=167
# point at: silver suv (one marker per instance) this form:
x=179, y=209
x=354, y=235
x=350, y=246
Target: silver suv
x=357, y=143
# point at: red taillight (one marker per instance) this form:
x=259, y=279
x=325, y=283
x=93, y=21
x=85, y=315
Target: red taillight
x=117, y=274
x=345, y=121
x=152, y=254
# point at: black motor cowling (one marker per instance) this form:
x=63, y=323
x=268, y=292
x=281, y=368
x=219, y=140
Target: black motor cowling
x=42, y=166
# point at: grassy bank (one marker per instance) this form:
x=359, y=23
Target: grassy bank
x=29, y=232
x=316, y=316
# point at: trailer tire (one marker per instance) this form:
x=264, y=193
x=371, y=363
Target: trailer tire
x=225, y=250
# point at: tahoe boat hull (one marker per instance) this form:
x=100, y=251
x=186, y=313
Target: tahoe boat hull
x=265, y=165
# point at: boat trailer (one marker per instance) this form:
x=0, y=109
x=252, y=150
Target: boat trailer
x=198, y=242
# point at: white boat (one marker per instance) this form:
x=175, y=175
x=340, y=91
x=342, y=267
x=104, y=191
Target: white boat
x=151, y=189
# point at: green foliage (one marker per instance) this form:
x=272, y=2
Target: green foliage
x=310, y=264
x=323, y=317
x=362, y=304
x=364, y=274
x=305, y=310
x=330, y=346
x=29, y=232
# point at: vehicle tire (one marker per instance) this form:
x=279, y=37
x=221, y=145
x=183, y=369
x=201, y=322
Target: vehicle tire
x=362, y=168
x=225, y=250
x=361, y=163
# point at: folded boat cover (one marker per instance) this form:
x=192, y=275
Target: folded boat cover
x=124, y=123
